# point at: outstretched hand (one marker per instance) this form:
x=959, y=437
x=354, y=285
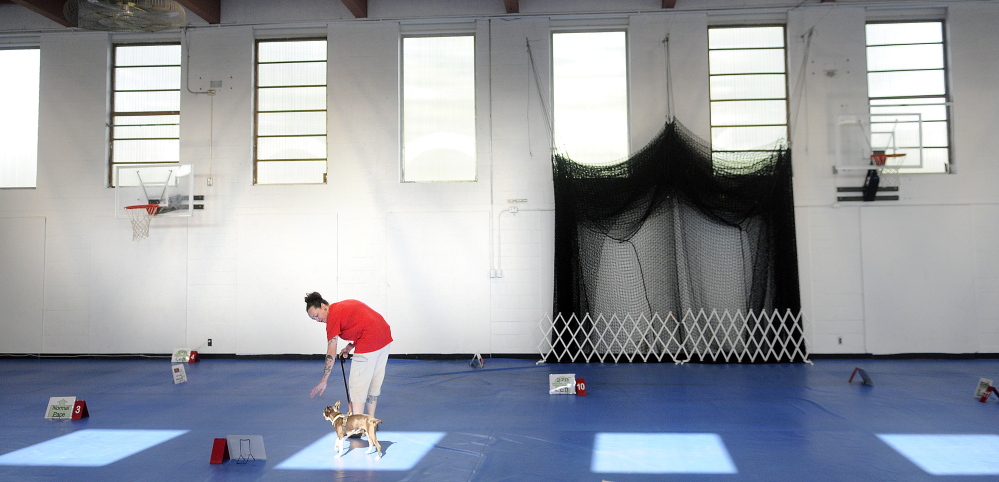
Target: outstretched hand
x=319, y=389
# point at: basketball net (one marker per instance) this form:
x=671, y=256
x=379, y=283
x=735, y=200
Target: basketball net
x=141, y=215
x=889, y=170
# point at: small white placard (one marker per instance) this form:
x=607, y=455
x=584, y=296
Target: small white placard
x=562, y=384
x=179, y=374
x=243, y=448
x=180, y=355
x=60, y=408
x=983, y=384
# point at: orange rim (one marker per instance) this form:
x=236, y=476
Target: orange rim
x=880, y=159
x=150, y=208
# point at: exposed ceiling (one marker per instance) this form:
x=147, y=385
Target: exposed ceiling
x=211, y=10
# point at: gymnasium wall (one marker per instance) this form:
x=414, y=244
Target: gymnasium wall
x=452, y=268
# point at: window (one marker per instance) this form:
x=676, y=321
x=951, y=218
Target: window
x=19, y=117
x=590, y=85
x=438, y=108
x=145, y=105
x=291, y=112
x=907, y=90
x=748, y=90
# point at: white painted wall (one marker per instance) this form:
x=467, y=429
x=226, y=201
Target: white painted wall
x=917, y=275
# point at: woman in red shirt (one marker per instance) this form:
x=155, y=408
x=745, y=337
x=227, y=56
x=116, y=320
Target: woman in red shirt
x=368, y=335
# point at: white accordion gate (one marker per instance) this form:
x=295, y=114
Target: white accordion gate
x=731, y=337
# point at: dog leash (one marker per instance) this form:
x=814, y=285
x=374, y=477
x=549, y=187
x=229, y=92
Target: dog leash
x=345, y=388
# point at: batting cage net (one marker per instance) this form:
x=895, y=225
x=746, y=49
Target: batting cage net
x=649, y=251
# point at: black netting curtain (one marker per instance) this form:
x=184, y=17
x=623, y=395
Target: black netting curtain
x=672, y=229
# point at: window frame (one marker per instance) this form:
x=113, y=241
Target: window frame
x=402, y=102
x=33, y=148
x=763, y=147
x=623, y=29
x=946, y=97
x=257, y=111
x=112, y=113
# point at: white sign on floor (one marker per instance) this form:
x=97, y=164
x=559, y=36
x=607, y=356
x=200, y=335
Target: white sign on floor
x=179, y=374
x=983, y=384
x=243, y=448
x=60, y=408
x=562, y=384
x=181, y=355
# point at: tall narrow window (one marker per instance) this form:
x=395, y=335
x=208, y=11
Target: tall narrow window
x=291, y=112
x=19, y=117
x=748, y=90
x=145, y=105
x=590, y=85
x=907, y=88
x=438, y=108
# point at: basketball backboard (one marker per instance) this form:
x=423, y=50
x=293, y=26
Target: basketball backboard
x=895, y=139
x=169, y=185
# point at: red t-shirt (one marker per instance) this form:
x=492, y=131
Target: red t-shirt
x=357, y=322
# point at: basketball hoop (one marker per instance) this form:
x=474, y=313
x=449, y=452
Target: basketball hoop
x=140, y=215
x=880, y=158
x=888, y=171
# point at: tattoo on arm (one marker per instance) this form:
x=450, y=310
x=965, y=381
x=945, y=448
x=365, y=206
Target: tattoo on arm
x=329, y=365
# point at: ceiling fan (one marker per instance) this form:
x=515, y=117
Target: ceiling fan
x=125, y=15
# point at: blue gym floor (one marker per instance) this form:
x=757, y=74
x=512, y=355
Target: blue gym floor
x=445, y=421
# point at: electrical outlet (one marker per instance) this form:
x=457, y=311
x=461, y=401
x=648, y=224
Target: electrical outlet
x=840, y=341
x=209, y=342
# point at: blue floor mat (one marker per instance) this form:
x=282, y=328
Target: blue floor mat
x=445, y=421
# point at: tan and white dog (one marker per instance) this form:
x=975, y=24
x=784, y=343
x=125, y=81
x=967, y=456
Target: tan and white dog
x=350, y=424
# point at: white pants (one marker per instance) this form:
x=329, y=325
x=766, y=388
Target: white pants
x=367, y=371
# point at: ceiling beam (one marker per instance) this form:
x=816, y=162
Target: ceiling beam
x=357, y=7
x=512, y=6
x=209, y=10
x=669, y=3
x=50, y=9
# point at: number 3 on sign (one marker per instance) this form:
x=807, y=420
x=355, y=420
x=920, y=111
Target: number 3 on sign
x=80, y=410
